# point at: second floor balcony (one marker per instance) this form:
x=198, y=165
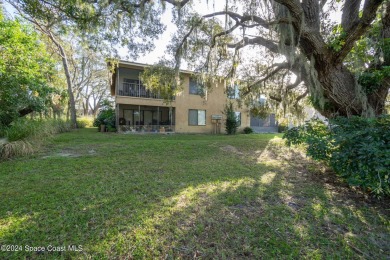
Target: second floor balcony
x=136, y=89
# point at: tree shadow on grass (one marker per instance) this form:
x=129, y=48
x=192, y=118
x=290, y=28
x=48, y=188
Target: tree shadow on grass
x=283, y=212
x=93, y=201
x=200, y=202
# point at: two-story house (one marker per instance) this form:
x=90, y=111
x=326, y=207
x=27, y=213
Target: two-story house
x=139, y=110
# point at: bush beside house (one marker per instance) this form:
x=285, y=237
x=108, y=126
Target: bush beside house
x=356, y=148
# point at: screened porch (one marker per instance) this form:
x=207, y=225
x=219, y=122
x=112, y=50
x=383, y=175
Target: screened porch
x=145, y=119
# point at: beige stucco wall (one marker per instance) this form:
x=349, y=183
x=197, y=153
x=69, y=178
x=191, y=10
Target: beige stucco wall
x=214, y=103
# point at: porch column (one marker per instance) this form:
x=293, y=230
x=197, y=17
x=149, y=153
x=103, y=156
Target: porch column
x=117, y=117
x=139, y=115
x=170, y=116
x=158, y=117
x=117, y=82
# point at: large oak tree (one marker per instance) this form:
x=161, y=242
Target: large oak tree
x=343, y=68
x=316, y=51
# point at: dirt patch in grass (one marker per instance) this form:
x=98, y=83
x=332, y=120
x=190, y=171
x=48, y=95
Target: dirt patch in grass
x=71, y=153
x=231, y=149
x=62, y=154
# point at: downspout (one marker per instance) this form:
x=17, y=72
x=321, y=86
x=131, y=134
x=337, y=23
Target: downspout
x=116, y=104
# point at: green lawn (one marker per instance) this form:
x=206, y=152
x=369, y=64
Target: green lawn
x=183, y=196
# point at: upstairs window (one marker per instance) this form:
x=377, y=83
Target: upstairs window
x=233, y=92
x=262, y=100
x=238, y=118
x=195, y=87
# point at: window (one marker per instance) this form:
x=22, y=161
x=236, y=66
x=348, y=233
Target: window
x=196, y=117
x=238, y=117
x=233, y=92
x=195, y=87
x=262, y=100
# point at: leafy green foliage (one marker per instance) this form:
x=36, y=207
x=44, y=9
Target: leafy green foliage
x=102, y=22
x=358, y=149
x=24, y=128
x=231, y=123
x=25, y=136
x=260, y=110
x=337, y=39
x=282, y=125
x=362, y=154
x=161, y=79
x=25, y=70
x=85, y=121
x=106, y=116
x=371, y=80
x=374, y=49
x=247, y=130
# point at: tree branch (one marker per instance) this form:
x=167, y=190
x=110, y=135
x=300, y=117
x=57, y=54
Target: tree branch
x=177, y=3
x=224, y=33
x=358, y=29
x=242, y=18
x=311, y=9
x=301, y=97
x=270, y=45
x=25, y=111
x=279, y=67
x=350, y=14
x=295, y=9
x=294, y=85
x=278, y=99
x=179, y=51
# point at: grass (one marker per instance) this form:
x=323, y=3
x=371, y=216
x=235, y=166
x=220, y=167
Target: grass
x=183, y=196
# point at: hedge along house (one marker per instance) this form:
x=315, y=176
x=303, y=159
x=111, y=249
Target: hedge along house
x=140, y=110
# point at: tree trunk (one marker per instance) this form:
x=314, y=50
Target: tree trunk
x=333, y=88
x=335, y=91
x=340, y=92
x=72, y=104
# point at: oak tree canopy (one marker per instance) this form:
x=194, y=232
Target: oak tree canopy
x=284, y=49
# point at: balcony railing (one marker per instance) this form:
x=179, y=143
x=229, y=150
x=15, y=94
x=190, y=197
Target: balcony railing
x=137, y=90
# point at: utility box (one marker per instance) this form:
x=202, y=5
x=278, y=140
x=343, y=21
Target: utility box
x=216, y=120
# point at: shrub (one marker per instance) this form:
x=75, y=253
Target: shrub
x=231, y=124
x=21, y=129
x=23, y=136
x=24, y=128
x=85, y=121
x=16, y=148
x=247, y=130
x=61, y=126
x=105, y=117
x=282, y=125
x=356, y=148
